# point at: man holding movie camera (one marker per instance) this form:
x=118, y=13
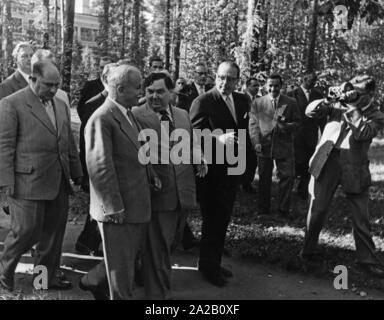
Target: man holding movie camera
x=341, y=157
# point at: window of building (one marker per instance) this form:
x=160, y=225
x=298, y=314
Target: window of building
x=87, y=34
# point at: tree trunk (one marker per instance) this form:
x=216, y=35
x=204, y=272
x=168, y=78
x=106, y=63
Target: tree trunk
x=254, y=10
x=167, y=35
x=7, y=34
x=46, y=24
x=176, y=52
x=55, y=26
x=136, y=31
x=68, y=43
x=312, y=38
x=62, y=9
x=264, y=34
x=123, y=27
x=104, y=28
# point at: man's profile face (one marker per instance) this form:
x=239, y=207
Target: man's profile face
x=200, y=75
x=130, y=91
x=156, y=66
x=226, y=79
x=309, y=82
x=23, y=59
x=273, y=87
x=253, y=87
x=158, y=95
x=46, y=86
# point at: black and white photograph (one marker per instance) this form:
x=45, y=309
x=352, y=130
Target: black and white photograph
x=192, y=155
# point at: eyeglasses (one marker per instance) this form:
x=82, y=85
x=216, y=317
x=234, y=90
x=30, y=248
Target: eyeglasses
x=229, y=79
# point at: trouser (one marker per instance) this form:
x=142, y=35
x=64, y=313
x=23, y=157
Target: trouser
x=286, y=174
x=188, y=237
x=163, y=229
x=321, y=192
x=90, y=236
x=250, y=169
x=121, y=245
x=40, y=222
x=303, y=154
x=216, y=204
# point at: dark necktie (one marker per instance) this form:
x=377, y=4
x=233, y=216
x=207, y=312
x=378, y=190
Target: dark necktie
x=165, y=117
x=48, y=106
x=134, y=123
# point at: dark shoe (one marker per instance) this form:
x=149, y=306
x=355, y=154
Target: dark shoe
x=6, y=210
x=85, y=250
x=247, y=188
x=59, y=284
x=6, y=284
x=97, y=295
x=226, y=273
x=373, y=269
x=214, y=277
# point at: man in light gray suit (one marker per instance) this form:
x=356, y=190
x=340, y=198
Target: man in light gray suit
x=119, y=182
x=170, y=204
x=38, y=156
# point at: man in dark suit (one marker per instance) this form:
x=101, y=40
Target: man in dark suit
x=119, y=181
x=251, y=92
x=37, y=158
x=22, y=55
x=89, y=239
x=91, y=88
x=341, y=157
x=273, y=120
x=220, y=109
x=198, y=86
x=170, y=205
x=306, y=136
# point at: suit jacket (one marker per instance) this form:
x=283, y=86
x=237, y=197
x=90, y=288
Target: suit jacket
x=90, y=89
x=307, y=134
x=118, y=180
x=178, y=181
x=263, y=129
x=12, y=84
x=209, y=111
x=33, y=155
x=354, y=144
x=193, y=93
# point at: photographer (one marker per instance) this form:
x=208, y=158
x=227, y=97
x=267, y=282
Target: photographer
x=341, y=157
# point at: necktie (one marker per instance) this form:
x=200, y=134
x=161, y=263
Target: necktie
x=274, y=104
x=165, y=117
x=231, y=107
x=133, y=120
x=50, y=111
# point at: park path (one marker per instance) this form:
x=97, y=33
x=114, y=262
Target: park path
x=251, y=281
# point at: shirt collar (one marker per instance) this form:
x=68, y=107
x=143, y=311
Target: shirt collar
x=122, y=109
x=225, y=97
x=25, y=76
x=277, y=98
x=304, y=89
x=169, y=114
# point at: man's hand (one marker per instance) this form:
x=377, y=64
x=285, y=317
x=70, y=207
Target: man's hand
x=77, y=181
x=156, y=183
x=117, y=218
x=227, y=138
x=258, y=148
x=7, y=190
x=201, y=170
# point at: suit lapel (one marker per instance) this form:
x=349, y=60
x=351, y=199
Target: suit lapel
x=125, y=126
x=303, y=96
x=38, y=111
x=60, y=114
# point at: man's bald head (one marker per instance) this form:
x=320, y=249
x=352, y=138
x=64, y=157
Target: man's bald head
x=124, y=84
x=45, y=79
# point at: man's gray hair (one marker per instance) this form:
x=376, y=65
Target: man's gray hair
x=121, y=75
x=20, y=45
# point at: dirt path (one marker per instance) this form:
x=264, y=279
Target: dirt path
x=251, y=281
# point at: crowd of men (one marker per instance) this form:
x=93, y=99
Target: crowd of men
x=138, y=209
